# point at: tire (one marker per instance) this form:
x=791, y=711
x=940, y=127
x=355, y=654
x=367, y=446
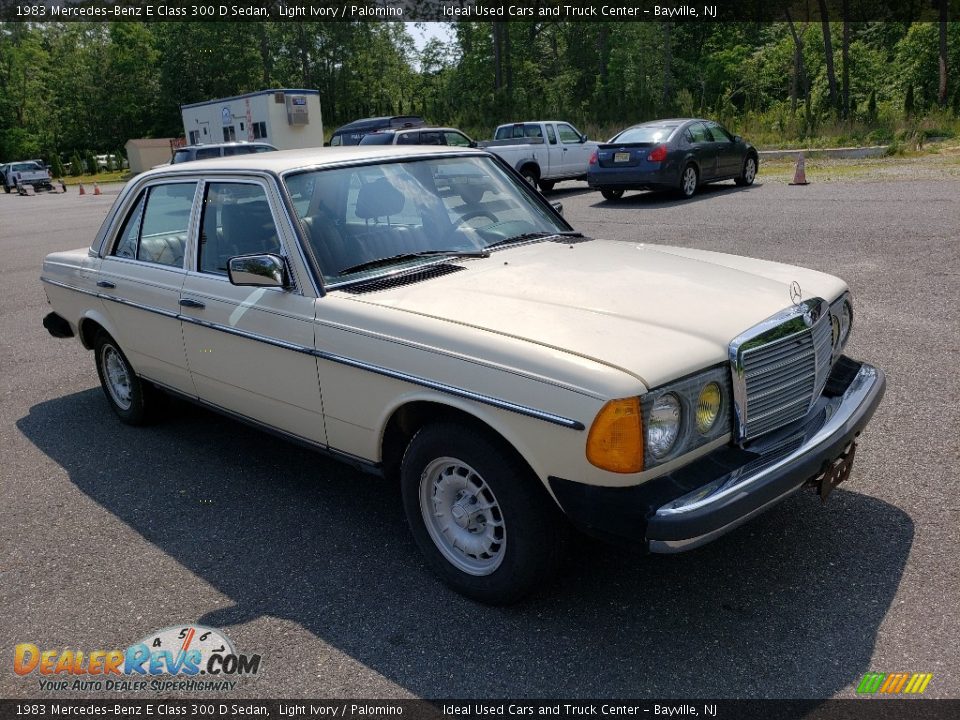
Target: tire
x=499, y=553
x=749, y=172
x=546, y=185
x=689, y=179
x=611, y=193
x=531, y=176
x=134, y=401
x=6, y=188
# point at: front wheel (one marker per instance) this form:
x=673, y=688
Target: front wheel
x=484, y=524
x=134, y=401
x=688, y=181
x=749, y=172
x=611, y=194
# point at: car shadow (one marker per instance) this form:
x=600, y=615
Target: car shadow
x=787, y=606
x=633, y=199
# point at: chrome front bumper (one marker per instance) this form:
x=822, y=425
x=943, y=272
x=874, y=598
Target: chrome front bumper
x=782, y=463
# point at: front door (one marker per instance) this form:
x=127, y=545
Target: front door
x=249, y=348
x=575, y=155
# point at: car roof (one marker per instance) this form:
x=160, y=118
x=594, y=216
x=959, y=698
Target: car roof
x=284, y=160
x=398, y=131
x=382, y=120
x=223, y=144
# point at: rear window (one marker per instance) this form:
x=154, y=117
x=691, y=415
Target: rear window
x=645, y=134
x=181, y=156
x=25, y=166
x=377, y=138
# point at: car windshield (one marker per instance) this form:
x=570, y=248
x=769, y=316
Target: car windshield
x=369, y=220
x=645, y=134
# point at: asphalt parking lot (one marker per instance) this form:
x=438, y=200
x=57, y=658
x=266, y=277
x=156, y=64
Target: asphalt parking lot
x=108, y=532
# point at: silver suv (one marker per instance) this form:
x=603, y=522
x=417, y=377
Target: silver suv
x=202, y=152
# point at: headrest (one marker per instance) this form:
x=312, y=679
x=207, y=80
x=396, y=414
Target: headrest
x=378, y=199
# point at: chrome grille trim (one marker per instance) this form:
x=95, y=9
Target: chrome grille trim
x=779, y=368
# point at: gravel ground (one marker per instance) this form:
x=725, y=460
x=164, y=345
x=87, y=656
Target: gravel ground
x=109, y=532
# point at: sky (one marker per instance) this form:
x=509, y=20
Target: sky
x=424, y=32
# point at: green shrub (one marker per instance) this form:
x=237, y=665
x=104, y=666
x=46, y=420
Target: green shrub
x=76, y=165
x=91, y=163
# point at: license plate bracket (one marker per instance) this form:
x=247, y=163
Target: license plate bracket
x=836, y=472
x=621, y=157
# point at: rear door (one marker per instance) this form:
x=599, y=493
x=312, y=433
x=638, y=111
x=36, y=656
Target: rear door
x=704, y=149
x=140, y=280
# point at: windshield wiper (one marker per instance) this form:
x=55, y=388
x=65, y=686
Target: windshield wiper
x=539, y=235
x=411, y=256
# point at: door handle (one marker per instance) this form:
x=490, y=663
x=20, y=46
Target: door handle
x=106, y=284
x=187, y=302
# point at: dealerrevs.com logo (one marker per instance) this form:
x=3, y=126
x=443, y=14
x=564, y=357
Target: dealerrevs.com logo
x=181, y=658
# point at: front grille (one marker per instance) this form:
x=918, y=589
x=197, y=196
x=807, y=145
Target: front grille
x=782, y=369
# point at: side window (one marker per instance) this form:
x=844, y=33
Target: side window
x=551, y=135
x=155, y=231
x=431, y=138
x=698, y=131
x=457, y=139
x=568, y=136
x=236, y=220
x=203, y=153
x=130, y=232
x=410, y=138
x=719, y=133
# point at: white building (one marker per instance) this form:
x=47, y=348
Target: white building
x=286, y=118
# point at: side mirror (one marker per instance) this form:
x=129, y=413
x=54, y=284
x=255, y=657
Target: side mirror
x=265, y=270
x=558, y=206
x=737, y=138
x=584, y=138
x=473, y=143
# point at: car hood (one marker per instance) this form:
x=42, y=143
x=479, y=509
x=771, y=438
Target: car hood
x=655, y=312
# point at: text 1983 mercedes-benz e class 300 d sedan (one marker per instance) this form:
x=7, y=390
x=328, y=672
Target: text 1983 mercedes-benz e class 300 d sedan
x=424, y=314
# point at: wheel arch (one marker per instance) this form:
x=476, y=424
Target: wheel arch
x=88, y=327
x=404, y=420
x=531, y=165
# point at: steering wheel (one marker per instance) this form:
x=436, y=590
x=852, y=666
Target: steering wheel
x=474, y=214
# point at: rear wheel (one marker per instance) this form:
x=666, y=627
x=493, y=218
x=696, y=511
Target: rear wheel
x=748, y=173
x=531, y=175
x=688, y=181
x=6, y=188
x=484, y=524
x=134, y=401
x=611, y=194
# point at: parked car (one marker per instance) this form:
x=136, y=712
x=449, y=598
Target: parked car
x=26, y=172
x=203, y=152
x=352, y=133
x=680, y=154
x=418, y=136
x=426, y=316
x=544, y=152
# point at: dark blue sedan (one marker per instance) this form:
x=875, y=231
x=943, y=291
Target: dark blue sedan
x=679, y=154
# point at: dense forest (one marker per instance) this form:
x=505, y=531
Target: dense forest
x=70, y=88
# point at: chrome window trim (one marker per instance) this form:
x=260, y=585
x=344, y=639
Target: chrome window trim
x=803, y=316
x=350, y=362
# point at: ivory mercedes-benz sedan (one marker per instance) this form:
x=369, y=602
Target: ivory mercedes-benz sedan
x=427, y=316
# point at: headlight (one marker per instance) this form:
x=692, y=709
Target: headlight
x=841, y=320
x=663, y=426
x=708, y=407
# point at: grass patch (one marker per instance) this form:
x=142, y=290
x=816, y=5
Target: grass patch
x=103, y=177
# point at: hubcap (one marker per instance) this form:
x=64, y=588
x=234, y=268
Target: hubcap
x=689, y=181
x=462, y=516
x=118, y=377
x=751, y=172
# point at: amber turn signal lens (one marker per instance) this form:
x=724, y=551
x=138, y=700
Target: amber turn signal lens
x=615, y=441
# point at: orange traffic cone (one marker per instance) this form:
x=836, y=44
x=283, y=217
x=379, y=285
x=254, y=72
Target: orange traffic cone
x=800, y=174
x=82, y=191
x=96, y=189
